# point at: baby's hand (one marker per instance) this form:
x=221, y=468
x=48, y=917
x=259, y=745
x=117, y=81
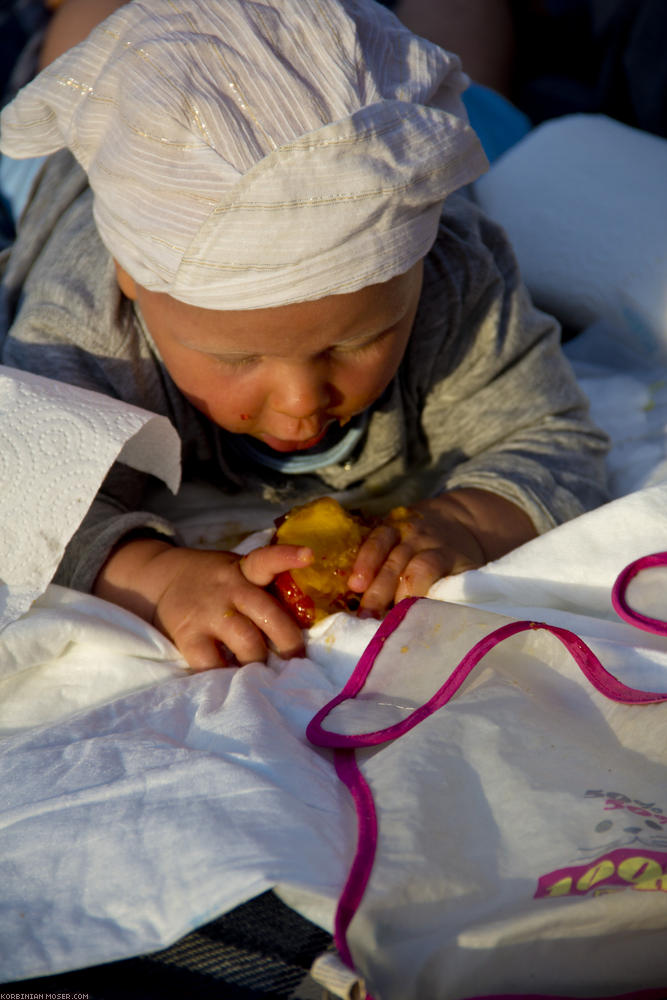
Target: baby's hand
x=416, y=546
x=212, y=605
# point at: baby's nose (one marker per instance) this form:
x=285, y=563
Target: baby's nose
x=300, y=390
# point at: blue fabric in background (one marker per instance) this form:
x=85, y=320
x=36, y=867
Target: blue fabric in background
x=22, y=23
x=16, y=179
x=498, y=123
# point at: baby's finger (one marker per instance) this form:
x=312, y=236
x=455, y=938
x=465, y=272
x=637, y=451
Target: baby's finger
x=372, y=557
x=227, y=639
x=201, y=652
x=261, y=565
x=381, y=593
x=242, y=637
x=421, y=573
x=283, y=634
x=427, y=567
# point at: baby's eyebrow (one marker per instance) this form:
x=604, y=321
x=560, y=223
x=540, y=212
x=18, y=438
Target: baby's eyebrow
x=233, y=354
x=377, y=329
x=368, y=333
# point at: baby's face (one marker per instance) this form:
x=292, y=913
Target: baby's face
x=283, y=375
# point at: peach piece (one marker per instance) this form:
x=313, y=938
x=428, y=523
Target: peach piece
x=335, y=535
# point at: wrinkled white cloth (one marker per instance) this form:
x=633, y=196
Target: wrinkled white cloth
x=247, y=155
x=140, y=801
x=126, y=824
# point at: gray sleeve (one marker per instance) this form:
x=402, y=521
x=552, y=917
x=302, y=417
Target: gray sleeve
x=502, y=410
x=108, y=521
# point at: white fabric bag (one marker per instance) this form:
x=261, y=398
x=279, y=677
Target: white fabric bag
x=511, y=799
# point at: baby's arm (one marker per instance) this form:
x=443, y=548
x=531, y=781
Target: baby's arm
x=416, y=546
x=508, y=446
x=212, y=605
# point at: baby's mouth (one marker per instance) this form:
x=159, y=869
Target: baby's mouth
x=285, y=445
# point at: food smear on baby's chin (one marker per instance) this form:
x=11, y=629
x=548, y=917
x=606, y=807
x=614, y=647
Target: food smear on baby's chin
x=334, y=535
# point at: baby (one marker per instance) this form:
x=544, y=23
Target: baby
x=262, y=240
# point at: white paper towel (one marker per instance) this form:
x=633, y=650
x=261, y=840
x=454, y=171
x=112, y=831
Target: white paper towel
x=583, y=199
x=57, y=443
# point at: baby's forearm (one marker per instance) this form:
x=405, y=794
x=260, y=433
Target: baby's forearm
x=130, y=579
x=498, y=524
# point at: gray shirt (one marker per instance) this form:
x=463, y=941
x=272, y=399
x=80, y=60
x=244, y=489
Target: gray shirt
x=483, y=396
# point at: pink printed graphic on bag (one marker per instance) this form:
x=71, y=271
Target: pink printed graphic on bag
x=636, y=858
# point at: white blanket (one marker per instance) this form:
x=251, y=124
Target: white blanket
x=139, y=801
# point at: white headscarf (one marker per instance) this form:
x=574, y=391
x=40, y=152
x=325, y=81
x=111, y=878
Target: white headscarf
x=253, y=153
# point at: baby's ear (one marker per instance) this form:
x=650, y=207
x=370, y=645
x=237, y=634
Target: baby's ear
x=128, y=285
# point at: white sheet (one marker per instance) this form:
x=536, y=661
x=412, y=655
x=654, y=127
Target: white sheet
x=147, y=800
x=584, y=201
x=125, y=825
